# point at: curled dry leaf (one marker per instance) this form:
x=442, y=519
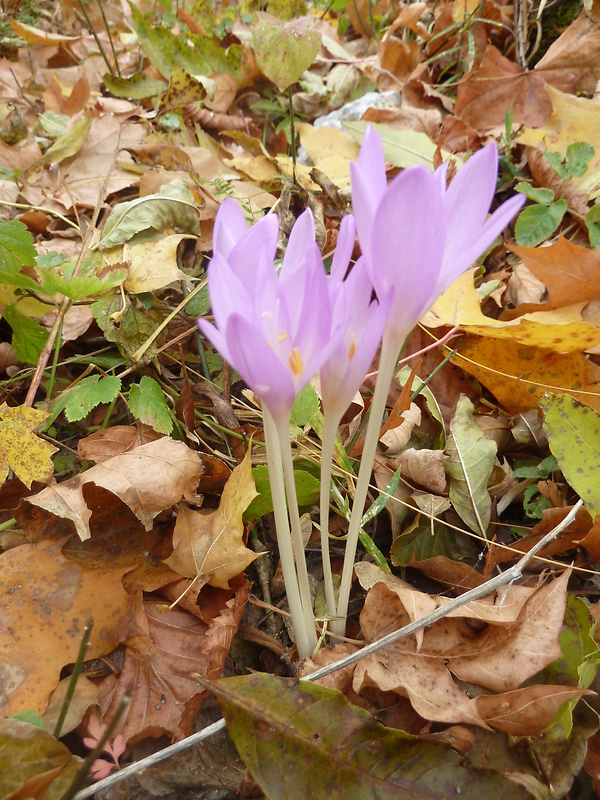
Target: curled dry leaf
x=425, y=467
x=520, y=639
x=396, y=439
x=149, y=479
x=115, y=441
x=211, y=545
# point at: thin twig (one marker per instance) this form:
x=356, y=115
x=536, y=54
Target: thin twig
x=512, y=574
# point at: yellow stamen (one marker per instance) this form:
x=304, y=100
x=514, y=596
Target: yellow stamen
x=282, y=337
x=296, y=362
x=351, y=351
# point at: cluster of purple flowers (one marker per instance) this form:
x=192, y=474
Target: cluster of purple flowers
x=280, y=327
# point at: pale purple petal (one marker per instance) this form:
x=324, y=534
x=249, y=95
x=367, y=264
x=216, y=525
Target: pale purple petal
x=343, y=249
x=468, y=199
x=259, y=366
x=227, y=293
x=301, y=239
x=230, y=226
x=408, y=246
x=255, y=252
x=458, y=258
x=312, y=320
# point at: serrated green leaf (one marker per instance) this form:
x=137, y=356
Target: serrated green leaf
x=128, y=327
x=89, y=393
x=138, y=86
x=81, y=286
x=469, y=464
x=29, y=337
x=306, y=405
x=147, y=402
x=557, y=163
x=17, y=246
x=536, y=223
x=172, y=208
x=573, y=432
x=20, y=280
x=301, y=740
x=537, y=194
x=307, y=489
x=284, y=50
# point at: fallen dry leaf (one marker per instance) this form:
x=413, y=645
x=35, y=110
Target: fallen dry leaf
x=211, y=545
x=170, y=646
x=149, y=479
x=46, y=600
x=21, y=449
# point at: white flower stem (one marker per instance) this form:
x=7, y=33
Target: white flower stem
x=283, y=431
x=330, y=427
x=284, y=541
x=387, y=364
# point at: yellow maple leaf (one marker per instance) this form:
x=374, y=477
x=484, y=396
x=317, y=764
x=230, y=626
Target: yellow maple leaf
x=21, y=449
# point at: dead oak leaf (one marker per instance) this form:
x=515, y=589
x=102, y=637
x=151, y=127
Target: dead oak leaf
x=212, y=544
x=21, y=449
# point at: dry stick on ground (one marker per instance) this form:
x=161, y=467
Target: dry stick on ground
x=511, y=575
x=64, y=306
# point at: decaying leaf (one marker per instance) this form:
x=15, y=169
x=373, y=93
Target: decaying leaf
x=149, y=479
x=211, y=545
x=21, y=450
x=337, y=747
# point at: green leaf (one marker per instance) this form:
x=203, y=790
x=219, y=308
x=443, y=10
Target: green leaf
x=301, y=740
x=147, y=402
x=138, y=86
x=537, y=223
x=20, y=280
x=401, y=148
x=28, y=753
x=538, y=195
x=17, y=246
x=306, y=405
x=421, y=543
x=30, y=717
x=127, y=327
x=89, y=393
x=579, y=155
x=199, y=305
x=82, y=286
x=67, y=145
x=557, y=163
x=573, y=432
x=581, y=657
x=592, y=223
x=29, y=337
x=383, y=498
x=284, y=50
x=469, y=464
x=307, y=489
x=173, y=208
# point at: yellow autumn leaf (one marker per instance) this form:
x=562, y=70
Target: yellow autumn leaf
x=153, y=263
x=561, y=330
x=519, y=376
x=21, y=449
x=330, y=150
x=210, y=546
x=573, y=119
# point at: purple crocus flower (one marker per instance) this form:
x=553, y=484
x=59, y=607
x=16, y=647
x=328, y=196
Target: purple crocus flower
x=274, y=329
x=417, y=235
x=360, y=321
